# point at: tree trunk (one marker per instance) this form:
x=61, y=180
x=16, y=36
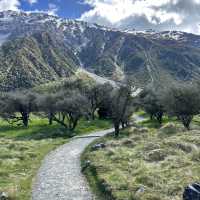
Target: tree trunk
x=116, y=126
x=50, y=118
x=60, y=122
x=186, y=120
x=25, y=118
x=159, y=117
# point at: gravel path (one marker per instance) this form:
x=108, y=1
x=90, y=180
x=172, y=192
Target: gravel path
x=60, y=177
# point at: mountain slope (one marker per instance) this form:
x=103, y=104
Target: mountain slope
x=37, y=48
x=28, y=61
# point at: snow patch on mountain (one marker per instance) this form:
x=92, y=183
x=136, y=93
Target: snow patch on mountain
x=3, y=38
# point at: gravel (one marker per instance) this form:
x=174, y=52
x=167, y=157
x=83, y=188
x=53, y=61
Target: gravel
x=60, y=177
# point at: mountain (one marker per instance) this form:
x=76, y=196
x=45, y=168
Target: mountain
x=37, y=48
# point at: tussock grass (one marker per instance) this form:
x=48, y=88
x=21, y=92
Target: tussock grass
x=19, y=161
x=146, y=165
x=23, y=149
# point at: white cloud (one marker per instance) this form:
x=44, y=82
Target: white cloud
x=9, y=5
x=32, y=1
x=15, y=6
x=53, y=9
x=144, y=14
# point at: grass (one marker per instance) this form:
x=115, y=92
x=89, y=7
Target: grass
x=19, y=162
x=153, y=124
x=23, y=149
x=145, y=164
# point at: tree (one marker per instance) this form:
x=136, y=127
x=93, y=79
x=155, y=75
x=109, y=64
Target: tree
x=151, y=103
x=46, y=104
x=183, y=102
x=72, y=106
x=104, y=91
x=17, y=106
x=65, y=107
x=119, y=105
x=93, y=92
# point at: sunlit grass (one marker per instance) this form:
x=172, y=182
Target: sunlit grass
x=19, y=161
x=148, y=160
x=23, y=149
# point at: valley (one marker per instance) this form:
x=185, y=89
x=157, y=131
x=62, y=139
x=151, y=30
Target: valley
x=92, y=112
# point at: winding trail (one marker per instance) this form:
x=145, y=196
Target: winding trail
x=60, y=177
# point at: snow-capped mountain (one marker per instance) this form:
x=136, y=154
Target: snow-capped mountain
x=18, y=24
x=37, y=48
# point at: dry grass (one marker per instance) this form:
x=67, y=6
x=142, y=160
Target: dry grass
x=154, y=165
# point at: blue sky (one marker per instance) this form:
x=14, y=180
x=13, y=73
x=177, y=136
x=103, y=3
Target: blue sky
x=64, y=8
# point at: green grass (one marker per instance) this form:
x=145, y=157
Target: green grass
x=142, y=113
x=39, y=129
x=153, y=124
x=23, y=149
x=163, y=164
x=19, y=162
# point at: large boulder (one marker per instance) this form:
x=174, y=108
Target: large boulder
x=3, y=196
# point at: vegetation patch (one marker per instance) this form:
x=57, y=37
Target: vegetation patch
x=144, y=165
x=22, y=150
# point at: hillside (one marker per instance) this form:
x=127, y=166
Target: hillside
x=144, y=164
x=38, y=48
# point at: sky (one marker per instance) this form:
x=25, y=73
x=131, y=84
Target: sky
x=183, y=15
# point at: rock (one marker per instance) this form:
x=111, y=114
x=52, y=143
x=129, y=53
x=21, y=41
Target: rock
x=85, y=165
x=192, y=192
x=3, y=196
x=156, y=155
x=185, y=147
x=169, y=128
x=98, y=146
x=140, y=190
